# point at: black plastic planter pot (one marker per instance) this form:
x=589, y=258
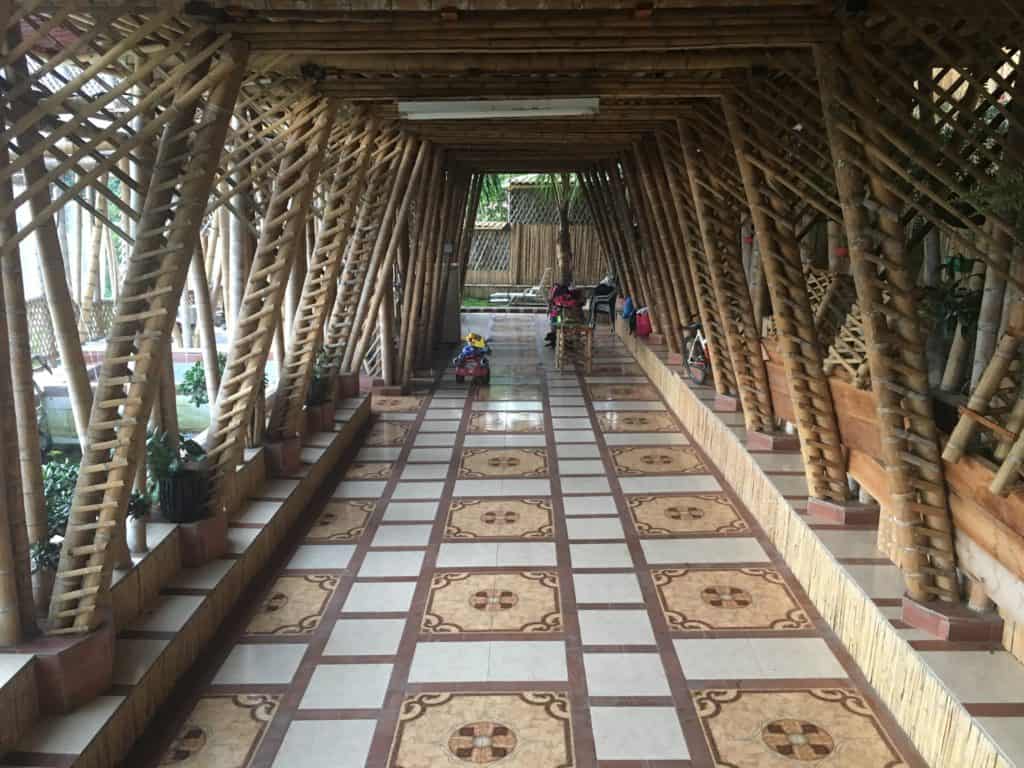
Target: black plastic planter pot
x=183, y=496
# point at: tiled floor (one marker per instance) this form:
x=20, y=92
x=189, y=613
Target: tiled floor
x=541, y=574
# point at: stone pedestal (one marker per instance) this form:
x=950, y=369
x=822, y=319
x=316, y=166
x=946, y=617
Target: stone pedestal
x=72, y=670
x=848, y=513
x=726, y=404
x=954, y=622
x=347, y=384
x=772, y=441
x=203, y=541
x=283, y=456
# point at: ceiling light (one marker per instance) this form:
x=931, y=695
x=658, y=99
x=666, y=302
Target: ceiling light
x=490, y=109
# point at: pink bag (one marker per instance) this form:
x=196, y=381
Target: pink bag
x=643, y=324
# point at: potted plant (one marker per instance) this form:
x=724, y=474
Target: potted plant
x=319, y=403
x=44, y=557
x=179, y=474
x=135, y=526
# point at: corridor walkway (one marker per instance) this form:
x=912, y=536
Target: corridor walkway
x=541, y=574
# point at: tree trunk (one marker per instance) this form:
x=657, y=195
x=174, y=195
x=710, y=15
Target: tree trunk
x=565, y=259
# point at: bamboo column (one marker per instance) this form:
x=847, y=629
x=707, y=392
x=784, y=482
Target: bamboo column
x=629, y=235
x=721, y=248
x=399, y=215
x=259, y=314
x=168, y=233
x=204, y=322
x=681, y=275
x=820, y=444
x=318, y=293
x=895, y=347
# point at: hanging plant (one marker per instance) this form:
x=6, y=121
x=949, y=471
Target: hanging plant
x=956, y=300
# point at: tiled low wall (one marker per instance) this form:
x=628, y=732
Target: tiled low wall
x=935, y=720
x=184, y=608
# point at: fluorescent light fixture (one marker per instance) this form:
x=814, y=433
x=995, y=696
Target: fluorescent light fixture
x=487, y=109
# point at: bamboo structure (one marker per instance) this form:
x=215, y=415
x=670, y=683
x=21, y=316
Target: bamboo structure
x=814, y=184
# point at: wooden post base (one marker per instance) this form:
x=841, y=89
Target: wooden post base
x=675, y=358
x=284, y=456
x=772, y=441
x=954, y=622
x=655, y=339
x=850, y=513
x=387, y=390
x=347, y=384
x=72, y=670
x=203, y=541
x=726, y=404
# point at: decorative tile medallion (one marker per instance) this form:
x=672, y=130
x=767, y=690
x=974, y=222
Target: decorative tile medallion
x=341, y=521
x=388, y=433
x=503, y=462
x=499, y=421
x=524, y=601
x=369, y=471
x=695, y=599
x=658, y=460
x=499, y=518
x=623, y=392
x=222, y=731
x=636, y=421
x=395, y=404
x=832, y=727
x=514, y=730
x=294, y=605
x=682, y=515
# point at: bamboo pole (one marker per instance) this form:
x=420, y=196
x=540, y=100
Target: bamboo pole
x=204, y=321
x=817, y=426
x=398, y=214
x=895, y=356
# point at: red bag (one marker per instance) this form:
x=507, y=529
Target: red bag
x=643, y=324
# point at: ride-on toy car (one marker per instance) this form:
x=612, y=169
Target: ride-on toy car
x=472, y=360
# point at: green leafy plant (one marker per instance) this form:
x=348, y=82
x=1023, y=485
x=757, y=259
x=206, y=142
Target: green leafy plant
x=139, y=505
x=60, y=474
x=167, y=459
x=193, y=384
x=956, y=300
x=319, y=381
x=45, y=555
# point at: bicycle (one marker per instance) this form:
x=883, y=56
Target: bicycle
x=696, y=359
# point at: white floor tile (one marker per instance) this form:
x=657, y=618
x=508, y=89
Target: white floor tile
x=577, y=451
x=670, y=484
x=616, y=627
x=403, y=511
x=378, y=565
x=347, y=686
x=359, y=489
x=407, y=490
x=580, y=467
x=602, y=588
x=609, y=528
x=425, y=472
x=691, y=551
x=470, y=554
x=585, y=485
x=589, y=505
x=321, y=556
x=379, y=597
x=402, y=536
x=315, y=744
x=600, y=556
x=527, y=553
x=625, y=674
x=742, y=658
x=430, y=454
x=365, y=637
x=638, y=733
x=646, y=438
x=575, y=436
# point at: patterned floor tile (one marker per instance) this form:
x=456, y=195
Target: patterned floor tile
x=623, y=392
x=294, y=605
x=376, y=470
x=752, y=728
x=395, y=404
x=482, y=422
x=222, y=731
x=389, y=433
x=520, y=730
x=657, y=460
x=513, y=518
x=526, y=601
x=503, y=462
x=681, y=515
x=636, y=421
x=744, y=598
